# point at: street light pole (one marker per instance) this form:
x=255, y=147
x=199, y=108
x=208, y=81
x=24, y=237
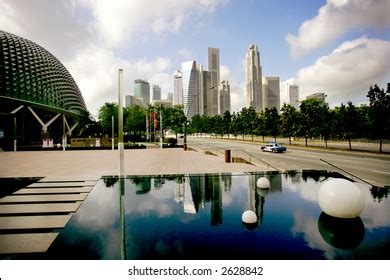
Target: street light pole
x=185, y=123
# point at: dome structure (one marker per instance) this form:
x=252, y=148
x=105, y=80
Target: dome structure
x=30, y=75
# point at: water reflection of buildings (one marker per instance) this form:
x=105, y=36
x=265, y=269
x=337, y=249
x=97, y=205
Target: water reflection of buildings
x=256, y=196
x=195, y=191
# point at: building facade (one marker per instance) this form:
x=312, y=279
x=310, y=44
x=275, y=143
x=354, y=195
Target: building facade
x=319, y=96
x=156, y=92
x=177, y=88
x=293, y=96
x=190, y=88
x=224, y=97
x=38, y=96
x=212, y=91
x=253, y=81
x=271, y=92
x=142, y=91
x=131, y=101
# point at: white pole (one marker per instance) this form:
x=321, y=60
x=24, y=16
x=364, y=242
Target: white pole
x=120, y=124
x=112, y=133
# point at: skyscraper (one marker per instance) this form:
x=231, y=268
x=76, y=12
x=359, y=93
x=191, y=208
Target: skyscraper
x=156, y=92
x=190, y=88
x=293, y=95
x=271, y=92
x=253, y=89
x=142, y=91
x=224, y=97
x=320, y=96
x=177, y=88
x=200, y=99
x=212, y=94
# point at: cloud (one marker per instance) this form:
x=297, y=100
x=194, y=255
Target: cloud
x=120, y=22
x=96, y=72
x=336, y=18
x=346, y=73
x=186, y=53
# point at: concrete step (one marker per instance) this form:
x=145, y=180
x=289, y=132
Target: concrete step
x=26, y=243
x=43, y=198
x=39, y=208
x=60, y=184
x=34, y=222
x=54, y=190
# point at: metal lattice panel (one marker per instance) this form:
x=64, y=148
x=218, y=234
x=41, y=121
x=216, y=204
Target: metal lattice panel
x=28, y=72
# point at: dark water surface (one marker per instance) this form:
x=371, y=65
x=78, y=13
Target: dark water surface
x=199, y=217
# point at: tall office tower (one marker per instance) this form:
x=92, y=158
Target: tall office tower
x=253, y=89
x=177, y=88
x=156, y=92
x=190, y=88
x=212, y=107
x=224, y=97
x=207, y=97
x=293, y=95
x=271, y=92
x=200, y=99
x=142, y=91
x=319, y=96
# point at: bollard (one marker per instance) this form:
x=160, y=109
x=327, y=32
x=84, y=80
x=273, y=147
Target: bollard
x=227, y=156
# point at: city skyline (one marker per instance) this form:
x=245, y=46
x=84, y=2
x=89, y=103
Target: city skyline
x=342, y=58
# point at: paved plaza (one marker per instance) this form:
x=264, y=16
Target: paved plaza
x=91, y=165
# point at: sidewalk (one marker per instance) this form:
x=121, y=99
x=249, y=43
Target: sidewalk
x=91, y=165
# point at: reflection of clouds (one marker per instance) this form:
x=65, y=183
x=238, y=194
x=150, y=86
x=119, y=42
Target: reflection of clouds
x=307, y=225
x=374, y=214
x=93, y=215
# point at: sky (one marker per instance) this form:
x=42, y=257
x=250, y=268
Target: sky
x=339, y=47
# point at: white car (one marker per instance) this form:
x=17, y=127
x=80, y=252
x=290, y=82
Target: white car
x=274, y=148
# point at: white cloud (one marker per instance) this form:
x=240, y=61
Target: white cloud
x=96, y=72
x=186, y=53
x=336, y=18
x=120, y=22
x=346, y=73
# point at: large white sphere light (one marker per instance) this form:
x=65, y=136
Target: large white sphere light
x=263, y=183
x=340, y=198
x=249, y=217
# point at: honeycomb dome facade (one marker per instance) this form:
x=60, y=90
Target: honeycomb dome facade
x=30, y=74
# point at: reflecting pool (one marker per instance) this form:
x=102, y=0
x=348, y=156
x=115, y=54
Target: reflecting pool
x=199, y=217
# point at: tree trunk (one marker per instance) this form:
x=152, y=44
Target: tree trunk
x=243, y=136
x=380, y=144
x=306, y=141
x=263, y=138
x=289, y=140
x=252, y=137
x=349, y=143
x=275, y=138
x=326, y=143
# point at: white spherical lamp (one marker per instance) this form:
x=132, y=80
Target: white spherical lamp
x=263, y=183
x=340, y=198
x=249, y=217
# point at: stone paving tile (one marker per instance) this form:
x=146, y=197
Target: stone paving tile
x=33, y=208
x=26, y=243
x=34, y=222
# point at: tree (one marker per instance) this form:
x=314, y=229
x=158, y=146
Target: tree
x=135, y=120
x=227, y=119
x=272, y=120
x=260, y=125
x=348, y=121
x=309, y=119
x=327, y=123
x=105, y=117
x=288, y=121
x=235, y=125
x=174, y=118
x=380, y=113
x=86, y=125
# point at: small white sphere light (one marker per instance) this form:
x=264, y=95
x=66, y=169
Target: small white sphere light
x=249, y=217
x=263, y=183
x=340, y=198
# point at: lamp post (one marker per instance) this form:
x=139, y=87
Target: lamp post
x=185, y=123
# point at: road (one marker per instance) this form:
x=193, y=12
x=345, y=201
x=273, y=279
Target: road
x=373, y=168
